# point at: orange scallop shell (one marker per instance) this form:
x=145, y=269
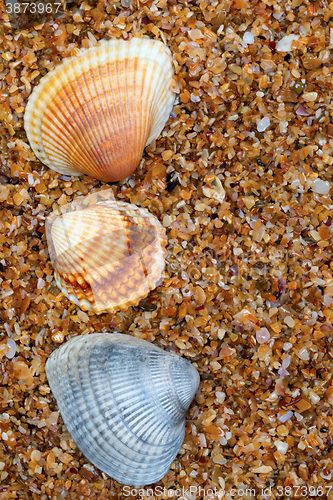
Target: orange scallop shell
x=95, y=113
x=107, y=255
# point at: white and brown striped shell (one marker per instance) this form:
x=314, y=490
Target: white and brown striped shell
x=107, y=255
x=124, y=402
x=94, y=113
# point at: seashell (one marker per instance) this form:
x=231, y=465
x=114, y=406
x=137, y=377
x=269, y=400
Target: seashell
x=123, y=401
x=286, y=95
x=107, y=255
x=94, y=114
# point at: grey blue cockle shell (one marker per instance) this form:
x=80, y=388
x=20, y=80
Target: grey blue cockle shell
x=124, y=402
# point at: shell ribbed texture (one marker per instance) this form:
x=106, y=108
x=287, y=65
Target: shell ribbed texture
x=107, y=257
x=94, y=114
x=123, y=401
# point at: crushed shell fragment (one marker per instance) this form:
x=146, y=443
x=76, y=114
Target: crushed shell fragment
x=213, y=188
